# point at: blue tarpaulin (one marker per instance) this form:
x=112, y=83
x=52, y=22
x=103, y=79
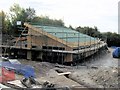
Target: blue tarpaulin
x=114, y=47
x=116, y=52
x=26, y=70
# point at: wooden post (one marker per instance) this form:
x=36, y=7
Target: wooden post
x=68, y=58
x=29, y=55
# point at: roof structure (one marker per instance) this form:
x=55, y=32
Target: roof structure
x=66, y=34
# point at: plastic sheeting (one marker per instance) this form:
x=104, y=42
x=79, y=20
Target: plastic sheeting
x=26, y=70
x=7, y=75
x=3, y=86
x=14, y=61
x=116, y=52
x=114, y=47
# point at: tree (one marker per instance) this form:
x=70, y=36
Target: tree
x=90, y=31
x=5, y=22
x=18, y=13
x=113, y=39
x=45, y=20
x=2, y=19
x=71, y=27
x=30, y=13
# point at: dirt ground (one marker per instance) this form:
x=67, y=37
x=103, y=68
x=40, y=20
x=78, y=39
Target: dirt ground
x=100, y=71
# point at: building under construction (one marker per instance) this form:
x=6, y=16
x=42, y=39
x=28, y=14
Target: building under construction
x=54, y=44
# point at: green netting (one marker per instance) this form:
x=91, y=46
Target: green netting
x=66, y=34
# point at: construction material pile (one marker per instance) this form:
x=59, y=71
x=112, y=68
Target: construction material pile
x=16, y=75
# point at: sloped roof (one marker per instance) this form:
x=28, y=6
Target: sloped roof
x=66, y=34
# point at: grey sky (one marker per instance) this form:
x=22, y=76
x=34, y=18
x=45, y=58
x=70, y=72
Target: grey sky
x=100, y=13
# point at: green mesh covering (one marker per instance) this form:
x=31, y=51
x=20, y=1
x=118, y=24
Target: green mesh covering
x=66, y=34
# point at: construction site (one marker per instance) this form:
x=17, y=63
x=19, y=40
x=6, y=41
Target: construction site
x=53, y=44
x=56, y=58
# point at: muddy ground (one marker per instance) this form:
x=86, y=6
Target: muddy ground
x=99, y=71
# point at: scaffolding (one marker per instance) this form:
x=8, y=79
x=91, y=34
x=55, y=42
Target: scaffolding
x=57, y=44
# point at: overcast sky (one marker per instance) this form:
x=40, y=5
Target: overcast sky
x=100, y=13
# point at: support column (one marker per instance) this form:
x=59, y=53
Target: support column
x=40, y=55
x=29, y=55
x=69, y=58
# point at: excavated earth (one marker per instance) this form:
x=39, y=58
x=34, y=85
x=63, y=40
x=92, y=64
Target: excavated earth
x=99, y=71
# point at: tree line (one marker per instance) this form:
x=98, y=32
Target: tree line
x=18, y=13
x=112, y=39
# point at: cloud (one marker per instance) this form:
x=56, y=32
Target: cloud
x=100, y=13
